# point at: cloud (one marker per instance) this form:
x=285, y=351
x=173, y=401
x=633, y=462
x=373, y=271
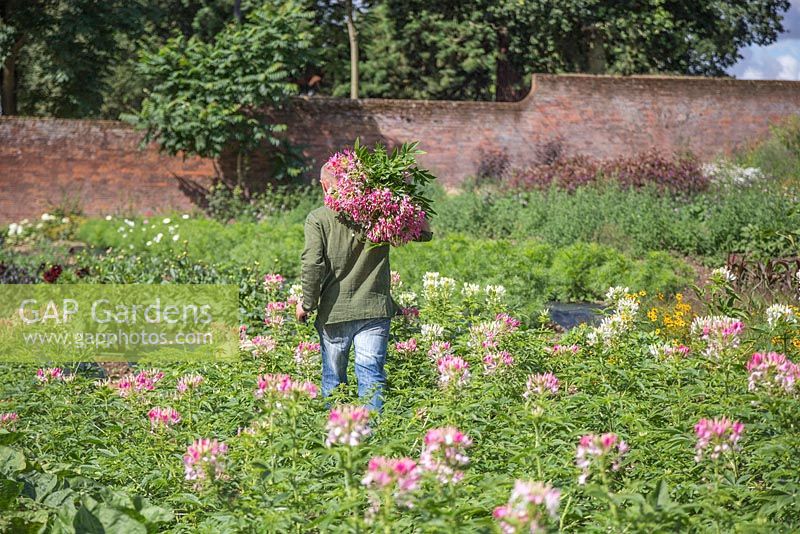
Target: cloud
x=778, y=61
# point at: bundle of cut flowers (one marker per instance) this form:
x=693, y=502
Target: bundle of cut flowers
x=380, y=193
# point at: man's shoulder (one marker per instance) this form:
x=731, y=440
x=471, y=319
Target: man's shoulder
x=322, y=213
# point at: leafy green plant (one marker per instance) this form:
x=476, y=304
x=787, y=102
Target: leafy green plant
x=209, y=96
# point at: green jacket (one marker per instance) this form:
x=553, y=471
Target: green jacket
x=344, y=277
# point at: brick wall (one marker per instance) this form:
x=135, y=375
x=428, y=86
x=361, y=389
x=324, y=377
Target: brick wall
x=44, y=161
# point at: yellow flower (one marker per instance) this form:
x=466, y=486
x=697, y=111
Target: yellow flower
x=653, y=314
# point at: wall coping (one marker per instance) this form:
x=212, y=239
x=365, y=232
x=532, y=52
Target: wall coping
x=537, y=80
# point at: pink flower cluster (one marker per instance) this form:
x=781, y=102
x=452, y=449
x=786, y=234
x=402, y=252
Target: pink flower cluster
x=204, y=460
x=453, y=371
x=395, y=280
x=8, y=419
x=189, y=382
x=444, y=453
x=347, y=425
x=273, y=282
x=487, y=335
x=599, y=451
x=51, y=374
x=719, y=333
x=528, y=508
x=134, y=383
x=275, y=388
x=541, y=384
x=304, y=353
x=717, y=435
x=440, y=349
x=557, y=350
x=507, y=323
x=400, y=476
x=274, y=313
x=410, y=314
x=385, y=216
x=772, y=372
x=407, y=347
x=163, y=418
x=495, y=361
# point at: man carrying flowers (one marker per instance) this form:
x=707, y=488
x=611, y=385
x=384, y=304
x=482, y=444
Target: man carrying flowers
x=371, y=201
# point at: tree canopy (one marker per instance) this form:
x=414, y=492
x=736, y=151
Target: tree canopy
x=77, y=58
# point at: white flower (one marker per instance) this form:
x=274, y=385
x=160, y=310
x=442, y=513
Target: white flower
x=15, y=229
x=615, y=293
x=407, y=299
x=166, y=221
x=47, y=217
x=722, y=275
x=432, y=331
x=494, y=294
x=149, y=243
x=780, y=314
x=470, y=290
x=130, y=223
x=176, y=237
x=109, y=217
x=185, y=216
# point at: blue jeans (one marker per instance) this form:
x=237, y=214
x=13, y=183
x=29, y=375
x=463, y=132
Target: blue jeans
x=370, y=338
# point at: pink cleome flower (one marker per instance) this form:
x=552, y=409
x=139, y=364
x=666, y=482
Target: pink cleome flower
x=204, y=460
x=444, y=453
x=528, y=508
x=400, y=476
x=189, y=382
x=495, y=361
x=51, y=374
x=8, y=419
x=305, y=352
x=453, y=371
x=163, y=418
x=557, y=350
x=507, y=323
x=347, y=425
x=277, y=387
x=274, y=313
x=385, y=216
x=440, y=349
x=407, y=347
x=541, y=384
x=134, y=383
x=717, y=435
x=598, y=450
x=772, y=372
x=273, y=282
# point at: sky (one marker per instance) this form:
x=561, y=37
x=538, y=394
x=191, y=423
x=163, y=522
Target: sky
x=778, y=61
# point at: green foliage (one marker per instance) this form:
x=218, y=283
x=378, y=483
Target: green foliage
x=207, y=96
x=80, y=452
x=486, y=50
x=397, y=171
x=62, y=51
x=707, y=225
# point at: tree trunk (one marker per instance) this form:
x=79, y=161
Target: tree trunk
x=353, y=36
x=596, y=56
x=237, y=11
x=8, y=96
x=506, y=76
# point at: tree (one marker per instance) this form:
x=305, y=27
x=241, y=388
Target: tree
x=482, y=49
x=209, y=97
x=54, y=53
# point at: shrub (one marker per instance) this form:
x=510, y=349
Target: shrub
x=675, y=175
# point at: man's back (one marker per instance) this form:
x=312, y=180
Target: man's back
x=348, y=276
